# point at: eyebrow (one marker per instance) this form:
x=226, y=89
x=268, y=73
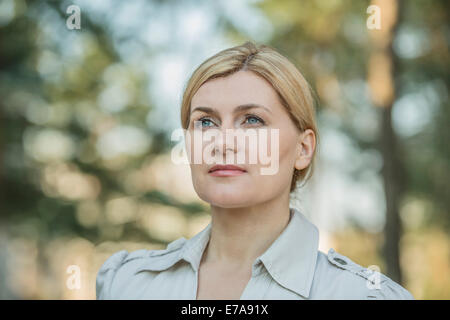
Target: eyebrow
x=239, y=108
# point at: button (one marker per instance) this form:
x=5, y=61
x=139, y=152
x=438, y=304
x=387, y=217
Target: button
x=340, y=261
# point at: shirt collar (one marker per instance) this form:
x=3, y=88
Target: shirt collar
x=292, y=271
x=291, y=259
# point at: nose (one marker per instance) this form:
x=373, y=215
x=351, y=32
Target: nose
x=225, y=141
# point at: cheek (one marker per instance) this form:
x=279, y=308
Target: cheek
x=193, y=147
x=287, y=150
x=276, y=154
x=280, y=147
x=197, y=173
x=199, y=181
x=282, y=152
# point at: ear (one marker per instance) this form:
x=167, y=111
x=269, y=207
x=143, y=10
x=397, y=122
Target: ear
x=305, y=149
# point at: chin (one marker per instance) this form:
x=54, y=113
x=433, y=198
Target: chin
x=227, y=197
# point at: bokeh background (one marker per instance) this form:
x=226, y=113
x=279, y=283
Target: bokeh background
x=86, y=117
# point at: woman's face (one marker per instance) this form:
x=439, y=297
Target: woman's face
x=244, y=101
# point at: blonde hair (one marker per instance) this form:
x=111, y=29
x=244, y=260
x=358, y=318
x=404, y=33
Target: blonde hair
x=293, y=90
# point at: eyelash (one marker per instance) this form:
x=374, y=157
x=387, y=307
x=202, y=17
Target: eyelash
x=247, y=116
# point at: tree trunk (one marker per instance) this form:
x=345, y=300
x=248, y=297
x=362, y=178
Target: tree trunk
x=383, y=66
x=393, y=189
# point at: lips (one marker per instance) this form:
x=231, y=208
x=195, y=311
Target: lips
x=226, y=171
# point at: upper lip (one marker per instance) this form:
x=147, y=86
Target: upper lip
x=226, y=167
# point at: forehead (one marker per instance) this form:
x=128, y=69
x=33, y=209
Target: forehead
x=239, y=88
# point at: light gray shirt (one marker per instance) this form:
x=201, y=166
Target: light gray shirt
x=291, y=268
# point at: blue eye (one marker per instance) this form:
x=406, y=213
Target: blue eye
x=203, y=120
x=254, y=120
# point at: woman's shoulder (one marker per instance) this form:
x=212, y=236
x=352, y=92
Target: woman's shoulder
x=121, y=266
x=122, y=257
x=341, y=278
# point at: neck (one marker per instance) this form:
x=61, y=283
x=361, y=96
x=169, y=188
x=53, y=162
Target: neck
x=240, y=235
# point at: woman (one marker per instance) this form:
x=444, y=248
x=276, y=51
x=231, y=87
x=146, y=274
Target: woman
x=256, y=246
